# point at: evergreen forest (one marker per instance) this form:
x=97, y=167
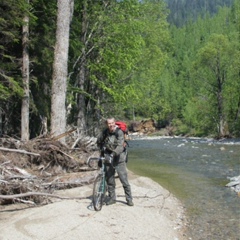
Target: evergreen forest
x=175, y=61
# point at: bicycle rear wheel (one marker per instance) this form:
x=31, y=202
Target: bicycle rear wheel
x=99, y=191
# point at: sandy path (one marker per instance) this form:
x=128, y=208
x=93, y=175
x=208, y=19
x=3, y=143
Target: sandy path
x=156, y=215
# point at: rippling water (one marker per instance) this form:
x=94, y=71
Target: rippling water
x=196, y=171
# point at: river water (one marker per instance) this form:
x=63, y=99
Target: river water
x=196, y=172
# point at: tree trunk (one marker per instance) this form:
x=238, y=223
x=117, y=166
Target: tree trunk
x=25, y=77
x=1, y=122
x=60, y=68
x=223, y=126
x=81, y=117
x=81, y=121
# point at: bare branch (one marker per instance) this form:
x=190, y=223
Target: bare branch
x=19, y=151
x=28, y=194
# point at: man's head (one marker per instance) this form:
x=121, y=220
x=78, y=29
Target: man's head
x=111, y=124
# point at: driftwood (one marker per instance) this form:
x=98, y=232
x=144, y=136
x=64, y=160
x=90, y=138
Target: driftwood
x=63, y=134
x=14, y=187
x=28, y=194
x=18, y=151
x=40, y=167
x=19, y=197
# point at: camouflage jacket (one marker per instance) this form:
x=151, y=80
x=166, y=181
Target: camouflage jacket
x=112, y=143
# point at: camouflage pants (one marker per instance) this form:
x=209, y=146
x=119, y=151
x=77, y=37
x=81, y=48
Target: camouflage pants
x=123, y=176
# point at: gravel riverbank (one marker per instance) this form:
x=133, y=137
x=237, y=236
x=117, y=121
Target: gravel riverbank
x=156, y=214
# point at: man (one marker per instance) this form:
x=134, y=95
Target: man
x=111, y=145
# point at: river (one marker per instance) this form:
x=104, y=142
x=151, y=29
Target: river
x=196, y=172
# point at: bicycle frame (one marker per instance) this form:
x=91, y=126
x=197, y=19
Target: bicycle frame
x=99, y=186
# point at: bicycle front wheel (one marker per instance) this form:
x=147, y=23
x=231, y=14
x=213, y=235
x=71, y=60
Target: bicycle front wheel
x=99, y=191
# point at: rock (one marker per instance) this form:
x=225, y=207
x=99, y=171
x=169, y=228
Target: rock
x=231, y=184
x=234, y=183
x=145, y=126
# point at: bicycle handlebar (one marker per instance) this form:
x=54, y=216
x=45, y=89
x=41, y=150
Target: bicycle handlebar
x=92, y=162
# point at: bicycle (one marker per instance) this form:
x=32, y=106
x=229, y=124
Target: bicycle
x=99, y=185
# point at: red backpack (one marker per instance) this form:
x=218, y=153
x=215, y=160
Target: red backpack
x=122, y=126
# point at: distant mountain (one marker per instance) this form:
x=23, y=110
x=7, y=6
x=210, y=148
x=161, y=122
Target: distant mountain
x=183, y=10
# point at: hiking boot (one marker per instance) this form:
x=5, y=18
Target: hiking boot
x=110, y=202
x=130, y=203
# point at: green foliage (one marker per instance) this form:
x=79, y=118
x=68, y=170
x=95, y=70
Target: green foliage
x=42, y=40
x=126, y=50
x=12, y=12
x=215, y=59
x=119, y=48
x=10, y=24
x=206, y=52
x=146, y=87
x=181, y=11
x=126, y=60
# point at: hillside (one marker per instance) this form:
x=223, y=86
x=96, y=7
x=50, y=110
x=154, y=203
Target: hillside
x=183, y=10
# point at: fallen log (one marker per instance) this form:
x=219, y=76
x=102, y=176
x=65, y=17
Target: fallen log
x=20, y=177
x=28, y=194
x=63, y=134
x=18, y=151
